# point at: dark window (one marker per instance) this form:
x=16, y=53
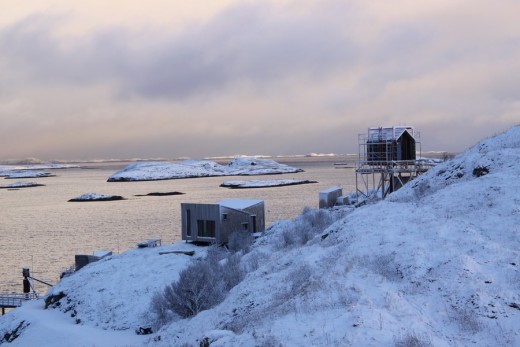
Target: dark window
x=205, y=228
x=253, y=221
x=188, y=222
x=224, y=216
x=245, y=226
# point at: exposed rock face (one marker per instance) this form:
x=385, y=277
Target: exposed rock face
x=263, y=184
x=95, y=197
x=160, y=194
x=12, y=335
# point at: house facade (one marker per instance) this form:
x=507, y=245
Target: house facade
x=391, y=144
x=213, y=223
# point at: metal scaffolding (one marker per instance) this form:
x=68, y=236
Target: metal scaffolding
x=387, y=160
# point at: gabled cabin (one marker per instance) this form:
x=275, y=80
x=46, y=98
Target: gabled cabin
x=391, y=144
x=213, y=223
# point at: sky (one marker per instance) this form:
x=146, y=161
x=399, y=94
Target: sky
x=170, y=79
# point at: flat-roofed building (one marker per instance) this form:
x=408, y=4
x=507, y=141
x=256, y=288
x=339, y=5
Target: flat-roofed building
x=213, y=223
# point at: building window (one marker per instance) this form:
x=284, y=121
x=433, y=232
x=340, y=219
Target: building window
x=245, y=226
x=253, y=221
x=205, y=228
x=224, y=216
x=188, y=222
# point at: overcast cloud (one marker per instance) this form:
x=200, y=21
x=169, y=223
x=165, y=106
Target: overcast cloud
x=253, y=77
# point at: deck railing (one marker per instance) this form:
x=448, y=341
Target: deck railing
x=11, y=300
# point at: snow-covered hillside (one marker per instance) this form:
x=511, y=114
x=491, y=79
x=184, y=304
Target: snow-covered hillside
x=437, y=263
x=149, y=171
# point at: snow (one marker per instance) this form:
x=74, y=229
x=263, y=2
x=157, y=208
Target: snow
x=21, y=184
x=321, y=155
x=51, y=328
x=238, y=204
x=263, y=183
x=148, y=171
x=438, y=260
x=330, y=190
x=389, y=133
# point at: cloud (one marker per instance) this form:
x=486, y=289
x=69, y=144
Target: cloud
x=246, y=42
x=259, y=77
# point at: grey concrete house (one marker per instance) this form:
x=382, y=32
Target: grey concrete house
x=213, y=223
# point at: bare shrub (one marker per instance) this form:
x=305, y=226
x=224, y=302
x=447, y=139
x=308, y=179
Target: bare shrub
x=317, y=219
x=412, y=340
x=300, y=279
x=386, y=266
x=466, y=320
x=253, y=261
x=269, y=341
x=197, y=289
x=215, y=254
x=240, y=241
x=202, y=285
x=290, y=238
x=231, y=271
x=306, y=226
x=159, y=309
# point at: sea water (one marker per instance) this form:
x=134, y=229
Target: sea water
x=41, y=230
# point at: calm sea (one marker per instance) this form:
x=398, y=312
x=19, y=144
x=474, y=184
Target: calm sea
x=42, y=231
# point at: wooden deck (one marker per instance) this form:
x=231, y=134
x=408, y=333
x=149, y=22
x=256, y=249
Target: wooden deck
x=14, y=300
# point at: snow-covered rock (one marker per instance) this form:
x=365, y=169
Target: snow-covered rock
x=14, y=174
x=21, y=184
x=95, y=197
x=263, y=183
x=31, y=171
x=149, y=171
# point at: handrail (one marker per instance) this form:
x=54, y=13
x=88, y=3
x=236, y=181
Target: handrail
x=5, y=297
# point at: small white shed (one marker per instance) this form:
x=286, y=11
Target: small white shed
x=328, y=197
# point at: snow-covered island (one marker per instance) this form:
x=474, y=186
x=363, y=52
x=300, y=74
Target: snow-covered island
x=435, y=264
x=149, y=171
x=95, y=197
x=21, y=184
x=31, y=171
x=15, y=174
x=263, y=183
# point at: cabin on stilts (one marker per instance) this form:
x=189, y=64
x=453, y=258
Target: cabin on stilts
x=387, y=160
